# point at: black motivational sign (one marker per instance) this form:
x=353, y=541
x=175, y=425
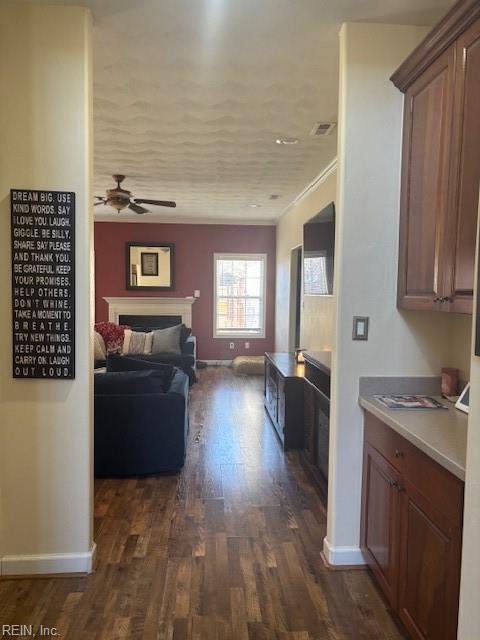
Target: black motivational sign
x=43, y=283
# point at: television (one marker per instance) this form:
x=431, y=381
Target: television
x=319, y=253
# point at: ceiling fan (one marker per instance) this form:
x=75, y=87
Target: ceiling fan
x=119, y=198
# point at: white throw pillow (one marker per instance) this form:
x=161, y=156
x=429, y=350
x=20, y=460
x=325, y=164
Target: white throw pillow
x=99, y=349
x=137, y=342
x=148, y=343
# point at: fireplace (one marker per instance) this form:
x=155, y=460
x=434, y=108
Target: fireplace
x=151, y=312
x=148, y=323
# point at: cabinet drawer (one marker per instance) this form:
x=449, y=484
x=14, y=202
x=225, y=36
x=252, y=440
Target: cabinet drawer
x=387, y=441
x=441, y=488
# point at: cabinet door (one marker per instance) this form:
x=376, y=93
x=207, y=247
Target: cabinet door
x=281, y=404
x=425, y=174
x=380, y=520
x=310, y=436
x=465, y=169
x=271, y=390
x=430, y=558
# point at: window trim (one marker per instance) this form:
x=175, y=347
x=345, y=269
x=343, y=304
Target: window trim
x=263, y=257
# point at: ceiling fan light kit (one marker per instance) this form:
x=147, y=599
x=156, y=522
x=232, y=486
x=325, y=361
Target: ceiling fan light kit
x=119, y=199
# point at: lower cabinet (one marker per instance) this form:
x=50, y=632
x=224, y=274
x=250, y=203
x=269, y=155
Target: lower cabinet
x=411, y=532
x=430, y=557
x=381, y=528
x=284, y=398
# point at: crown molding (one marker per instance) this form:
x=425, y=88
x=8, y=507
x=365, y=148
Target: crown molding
x=322, y=176
x=444, y=34
x=185, y=220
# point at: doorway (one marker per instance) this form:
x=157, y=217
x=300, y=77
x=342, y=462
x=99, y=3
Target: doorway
x=295, y=298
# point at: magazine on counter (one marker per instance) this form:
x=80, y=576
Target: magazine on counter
x=410, y=402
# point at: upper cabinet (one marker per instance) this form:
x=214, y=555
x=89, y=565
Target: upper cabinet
x=441, y=165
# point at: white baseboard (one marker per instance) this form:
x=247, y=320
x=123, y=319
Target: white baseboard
x=52, y=563
x=338, y=556
x=218, y=363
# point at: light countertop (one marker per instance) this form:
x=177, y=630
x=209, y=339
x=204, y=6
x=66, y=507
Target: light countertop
x=440, y=433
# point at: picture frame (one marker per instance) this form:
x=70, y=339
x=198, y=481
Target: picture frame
x=150, y=266
x=463, y=402
x=149, y=263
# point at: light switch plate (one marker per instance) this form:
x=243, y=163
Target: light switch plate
x=360, y=328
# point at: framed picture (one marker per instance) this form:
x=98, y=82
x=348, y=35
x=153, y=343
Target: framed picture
x=149, y=260
x=150, y=265
x=463, y=402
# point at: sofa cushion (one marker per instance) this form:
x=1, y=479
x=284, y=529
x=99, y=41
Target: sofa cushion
x=116, y=362
x=167, y=340
x=129, y=382
x=183, y=360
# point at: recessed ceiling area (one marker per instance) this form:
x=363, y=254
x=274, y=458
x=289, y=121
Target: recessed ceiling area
x=190, y=97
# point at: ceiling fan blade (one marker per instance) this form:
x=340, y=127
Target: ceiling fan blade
x=160, y=203
x=99, y=202
x=136, y=208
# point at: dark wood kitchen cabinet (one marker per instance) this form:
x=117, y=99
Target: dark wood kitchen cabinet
x=381, y=509
x=284, y=397
x=441, y=165
x=411, y=531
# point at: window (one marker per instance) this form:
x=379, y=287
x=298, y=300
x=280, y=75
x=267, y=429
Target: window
x=316, y=279
x=239, y=295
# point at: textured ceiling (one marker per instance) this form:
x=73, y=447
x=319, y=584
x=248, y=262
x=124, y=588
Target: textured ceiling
x=190, y=95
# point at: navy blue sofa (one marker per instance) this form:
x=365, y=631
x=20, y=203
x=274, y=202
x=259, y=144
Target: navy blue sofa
x=186, y=360
x=140, y=433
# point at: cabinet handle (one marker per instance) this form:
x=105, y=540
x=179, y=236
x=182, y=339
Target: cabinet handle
x=395, y=485
x=399, y=454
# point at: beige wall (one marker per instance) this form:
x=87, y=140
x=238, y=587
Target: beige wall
x=402, y=344
x=469, y=616
x=46, y=426
x=461, y=327
x=317, y=311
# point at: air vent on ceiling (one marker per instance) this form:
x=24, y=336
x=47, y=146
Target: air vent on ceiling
x=274, y=196
x=323, y=128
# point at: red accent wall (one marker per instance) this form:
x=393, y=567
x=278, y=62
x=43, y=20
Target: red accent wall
x=195, y=245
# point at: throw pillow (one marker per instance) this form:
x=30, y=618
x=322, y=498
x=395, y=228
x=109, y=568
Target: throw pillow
x=137, y=342
x=167, y=340
x=116, y=362
x=100, y=351
x=129, y=382
x=112, y=335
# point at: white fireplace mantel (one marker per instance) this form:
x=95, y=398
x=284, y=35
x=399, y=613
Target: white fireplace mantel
x=151, y=306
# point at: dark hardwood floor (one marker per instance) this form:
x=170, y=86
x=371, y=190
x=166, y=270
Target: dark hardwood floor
x=227, y=550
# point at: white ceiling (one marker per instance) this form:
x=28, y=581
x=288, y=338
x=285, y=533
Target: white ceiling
x=190, y=95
